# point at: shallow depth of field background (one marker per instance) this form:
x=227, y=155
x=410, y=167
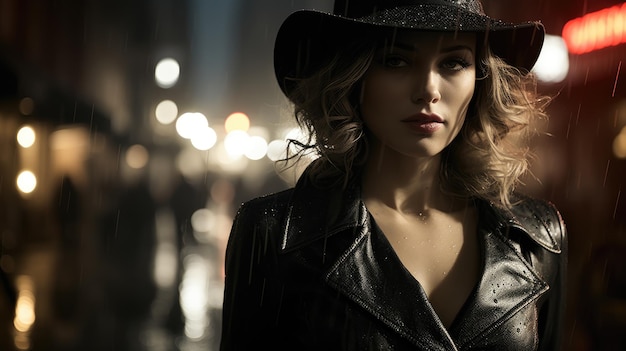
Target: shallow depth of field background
x=131, y=131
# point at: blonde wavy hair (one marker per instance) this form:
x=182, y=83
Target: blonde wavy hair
x=486, y=160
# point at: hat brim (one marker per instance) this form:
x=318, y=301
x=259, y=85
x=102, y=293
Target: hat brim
x=307, y=38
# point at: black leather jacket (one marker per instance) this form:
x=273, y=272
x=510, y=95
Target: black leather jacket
x=306, y=270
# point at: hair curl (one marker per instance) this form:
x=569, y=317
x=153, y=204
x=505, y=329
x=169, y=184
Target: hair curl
x=486, y=159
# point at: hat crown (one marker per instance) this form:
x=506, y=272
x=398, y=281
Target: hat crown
x=308, y=39
x=362, y=8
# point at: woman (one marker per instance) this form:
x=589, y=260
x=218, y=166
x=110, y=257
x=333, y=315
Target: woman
x=405, y=233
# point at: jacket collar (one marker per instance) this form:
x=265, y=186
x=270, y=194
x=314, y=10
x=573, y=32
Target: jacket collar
x=360, y=274
x=527, y=216
x=315, y=213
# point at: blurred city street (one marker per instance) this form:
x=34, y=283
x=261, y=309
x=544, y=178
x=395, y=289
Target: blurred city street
x=131, y=132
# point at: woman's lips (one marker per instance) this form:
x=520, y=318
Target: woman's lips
x=424, y=123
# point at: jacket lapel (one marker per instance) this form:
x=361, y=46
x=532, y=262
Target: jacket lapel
x=508, y=284
x=370, y=274
x=315, y=213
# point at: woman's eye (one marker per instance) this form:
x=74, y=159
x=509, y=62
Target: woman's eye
x=455, y=64
x=394, y=62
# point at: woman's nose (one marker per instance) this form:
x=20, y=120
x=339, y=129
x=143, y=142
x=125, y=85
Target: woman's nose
x=426, y=87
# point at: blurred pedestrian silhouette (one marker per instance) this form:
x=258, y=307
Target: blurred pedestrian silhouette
x=184, y=201
x=128, y=234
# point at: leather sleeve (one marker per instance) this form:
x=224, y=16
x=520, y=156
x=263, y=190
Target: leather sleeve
x=252, y=291
x=547, y=253
x=552, y=322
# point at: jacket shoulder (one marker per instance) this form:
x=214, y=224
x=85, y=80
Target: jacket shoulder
x=257, y=220
x=541, y=220
x=270, y=205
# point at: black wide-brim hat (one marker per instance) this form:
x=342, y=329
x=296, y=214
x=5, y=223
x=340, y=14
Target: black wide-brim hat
x=307, y=39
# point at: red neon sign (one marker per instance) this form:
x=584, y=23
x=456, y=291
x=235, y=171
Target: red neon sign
x=596, y=30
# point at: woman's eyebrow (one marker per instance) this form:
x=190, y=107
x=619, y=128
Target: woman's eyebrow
x=456, y=48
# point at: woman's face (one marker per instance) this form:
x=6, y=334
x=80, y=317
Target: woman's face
x=417, y=91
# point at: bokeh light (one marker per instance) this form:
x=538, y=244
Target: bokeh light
x=202, y=220
x=26, y=136
x=166, y=73
x=25, y=306
x=194, y=295
x=236, y=143
x=137, y=156
x=26, y=182
x=553, y=63
x=237, y=121
x=166, y=112
x=596, y=30
x=256, y=148
x=204, y=138
x=189, y=123
x=277, y=150
x=228, y=161
x=619, y=144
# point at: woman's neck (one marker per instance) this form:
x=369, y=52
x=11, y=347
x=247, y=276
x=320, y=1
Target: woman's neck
x=406, y=184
